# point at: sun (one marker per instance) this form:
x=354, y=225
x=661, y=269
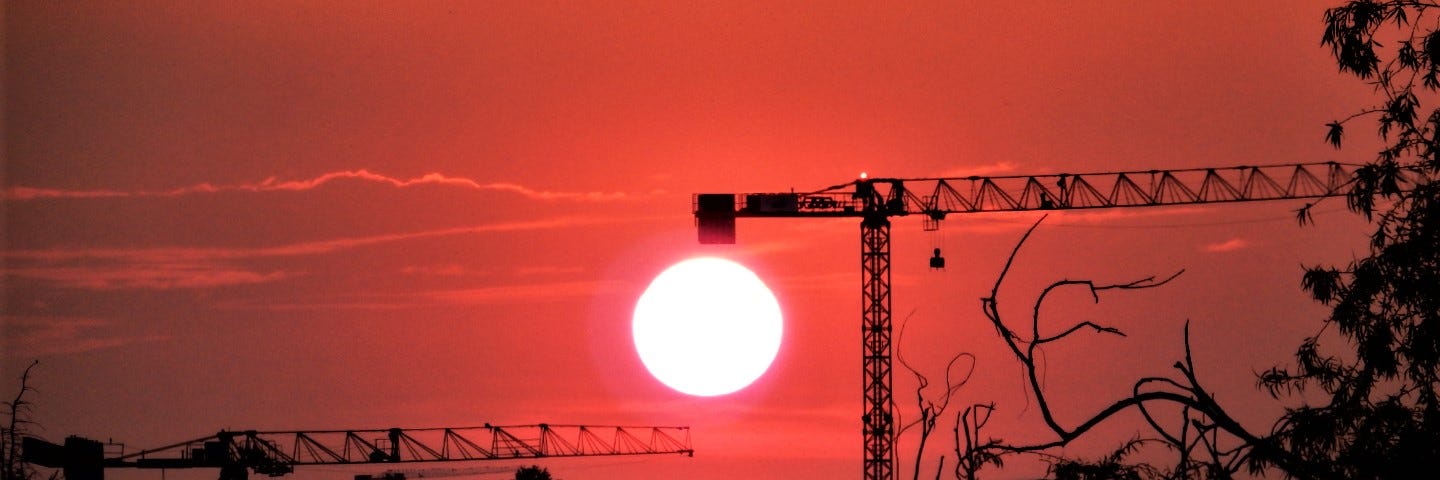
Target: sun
x=707, y=326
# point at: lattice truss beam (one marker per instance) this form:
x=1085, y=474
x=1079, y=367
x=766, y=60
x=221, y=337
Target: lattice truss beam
x=937, y=197
x=278, y=452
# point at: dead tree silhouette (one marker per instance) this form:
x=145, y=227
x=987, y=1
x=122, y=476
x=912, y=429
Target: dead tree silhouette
x=930, y=409
x=1208, y=442
x=16, y=427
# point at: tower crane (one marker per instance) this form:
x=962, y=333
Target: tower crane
x=876, y=200
x=277, y=453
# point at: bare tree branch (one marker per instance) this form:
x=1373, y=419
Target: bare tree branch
x=930, y=410
x=1202, y=420
x=11, y=465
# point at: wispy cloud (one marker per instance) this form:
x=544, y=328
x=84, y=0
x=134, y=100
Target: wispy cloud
x=544, y=270
x=163, y=268
x=997, y=168
x=457, y=270
x=177, y=254
x=51, y=335
x=1225, y=246
x=274, y=184
x=446, y=270
x=524, y=292
x=152, y=276
x=486, y=295
x=1104, y=218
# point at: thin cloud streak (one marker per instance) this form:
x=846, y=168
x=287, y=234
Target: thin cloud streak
x=273, y=184
x=1226, y=246
x=147, y=277
x=534, y=291
x=174, y=254
x=167, y=268
x=1008, y=222
x=488, y=295
x=49, y=335
x=990, y=169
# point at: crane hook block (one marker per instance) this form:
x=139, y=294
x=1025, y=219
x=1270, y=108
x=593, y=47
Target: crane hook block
x=937, y=262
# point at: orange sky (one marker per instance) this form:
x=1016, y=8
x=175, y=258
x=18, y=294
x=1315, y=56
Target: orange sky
x=364, y=215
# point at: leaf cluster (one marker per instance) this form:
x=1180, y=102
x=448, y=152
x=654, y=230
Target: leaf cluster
x=1364, y=390
x=1379, y=413
x=1112, y=466
x=532, y=472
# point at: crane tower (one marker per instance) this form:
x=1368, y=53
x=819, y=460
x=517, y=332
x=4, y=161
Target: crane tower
x=876, y=200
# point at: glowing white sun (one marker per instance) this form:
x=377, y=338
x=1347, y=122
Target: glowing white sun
x=707, y=326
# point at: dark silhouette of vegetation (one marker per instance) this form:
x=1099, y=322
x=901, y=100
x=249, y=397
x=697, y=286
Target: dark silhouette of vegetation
x=930, y=409
x=1362, y=391
x=17, y=422
x=1381, y=417
x=1208, y=442
x=533, y=472
x=1112, y=466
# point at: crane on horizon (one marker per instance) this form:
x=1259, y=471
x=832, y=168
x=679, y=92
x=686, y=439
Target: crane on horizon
x=277, y=453
x=876, y=200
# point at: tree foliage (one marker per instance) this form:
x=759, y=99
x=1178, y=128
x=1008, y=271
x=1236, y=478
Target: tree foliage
x=1363, y=389
x=533, y=472
x=1380, y=414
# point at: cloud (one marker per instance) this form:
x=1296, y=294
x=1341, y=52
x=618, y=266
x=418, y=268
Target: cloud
x=157, y=276
x=544, y=270
x=487, y=295
x=164, y=268
x=1169, y=216
x=273, y=184
x=180, y=254
x=446, y=270
x=533, y=292
x=1225, y=246
x=997, y=168
x=47, y=335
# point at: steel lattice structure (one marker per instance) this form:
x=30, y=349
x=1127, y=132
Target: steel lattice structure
x=876, y=200
x=875, y=336
x=277, y=453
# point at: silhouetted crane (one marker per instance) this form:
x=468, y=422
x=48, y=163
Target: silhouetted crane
x=876, y=200
x=277, y=453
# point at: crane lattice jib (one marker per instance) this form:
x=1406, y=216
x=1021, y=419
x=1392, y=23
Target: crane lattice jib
x=276, y=453
x=876, y=200
x=939, y=196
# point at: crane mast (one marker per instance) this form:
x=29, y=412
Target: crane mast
x=277, y=453
x=876, y=200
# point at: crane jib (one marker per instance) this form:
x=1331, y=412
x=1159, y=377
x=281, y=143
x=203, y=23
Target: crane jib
x=876, y=200
x=935, y=198
x=277, y=453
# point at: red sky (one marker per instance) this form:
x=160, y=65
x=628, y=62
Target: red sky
x=374, y=214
